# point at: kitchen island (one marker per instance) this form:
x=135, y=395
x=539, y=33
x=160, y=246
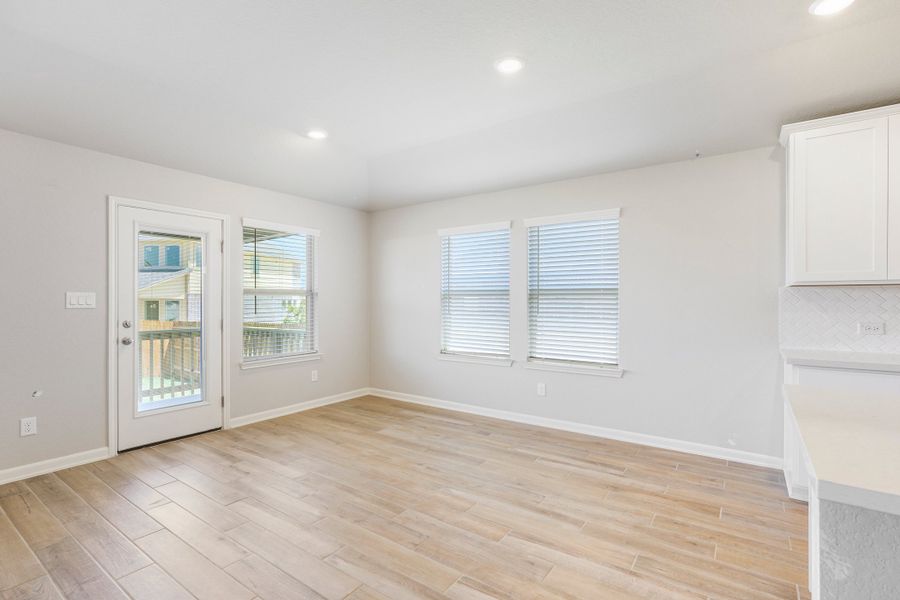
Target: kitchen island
x=849, y=443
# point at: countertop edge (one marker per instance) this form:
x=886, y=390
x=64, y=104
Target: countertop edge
x=862, y=361
x=828, y=489
x=859, y=497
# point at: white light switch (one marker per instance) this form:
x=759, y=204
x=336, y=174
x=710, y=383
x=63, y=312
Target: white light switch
x=81, y=300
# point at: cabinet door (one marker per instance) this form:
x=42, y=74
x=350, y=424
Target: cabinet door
x=894, y=199
x=838, y=208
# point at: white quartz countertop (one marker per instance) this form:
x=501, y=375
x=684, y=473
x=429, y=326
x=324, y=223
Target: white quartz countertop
x=853, y=443
x=867, y=361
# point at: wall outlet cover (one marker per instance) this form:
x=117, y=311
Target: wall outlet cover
x=542, y=389
x=27, y=426
x=871, y=328
x=314, y=375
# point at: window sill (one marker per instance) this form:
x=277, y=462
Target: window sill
x=599, y=371
x=478, y=360
x=282, y=360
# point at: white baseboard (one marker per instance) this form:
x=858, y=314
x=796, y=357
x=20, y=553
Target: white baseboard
x=740, y=456
x=53, y=464
x=295, y=408
x=797, y=492
x=80, y=458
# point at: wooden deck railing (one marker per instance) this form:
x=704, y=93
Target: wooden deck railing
x=170, y=359
x=170, y=363
x=265, y=341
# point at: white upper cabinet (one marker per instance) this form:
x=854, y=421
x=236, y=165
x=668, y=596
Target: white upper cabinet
x=894, y=198
x=843, y=221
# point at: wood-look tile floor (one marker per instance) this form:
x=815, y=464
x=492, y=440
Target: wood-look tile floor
x=373, y=499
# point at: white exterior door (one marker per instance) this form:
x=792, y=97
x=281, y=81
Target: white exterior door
x=168, y=319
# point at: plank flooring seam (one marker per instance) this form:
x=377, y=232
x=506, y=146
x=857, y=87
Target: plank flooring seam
x=74, y=539
x=31, y=551
x=373, y=499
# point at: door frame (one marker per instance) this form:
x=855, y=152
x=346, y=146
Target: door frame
x=112, y=338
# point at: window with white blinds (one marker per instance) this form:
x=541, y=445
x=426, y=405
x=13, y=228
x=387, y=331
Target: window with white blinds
x=280, y=295
x=573, y=289
x=475, y=291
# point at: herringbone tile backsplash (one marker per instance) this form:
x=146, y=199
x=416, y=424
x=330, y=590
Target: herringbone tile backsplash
x=826, y=318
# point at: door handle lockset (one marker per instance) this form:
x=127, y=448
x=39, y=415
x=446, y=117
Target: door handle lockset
x=126, y=341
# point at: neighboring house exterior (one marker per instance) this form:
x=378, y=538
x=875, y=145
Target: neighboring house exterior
x=169, y=279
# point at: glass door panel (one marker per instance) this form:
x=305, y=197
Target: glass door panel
x=170, y=320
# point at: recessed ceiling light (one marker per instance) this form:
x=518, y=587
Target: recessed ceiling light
x=829, y=7
x=317, y=134
x=509, y=65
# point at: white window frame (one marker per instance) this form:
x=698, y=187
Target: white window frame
x=265, y=361
x=562, y=365
x=460, y=357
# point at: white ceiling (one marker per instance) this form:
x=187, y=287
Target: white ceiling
x=408, y=92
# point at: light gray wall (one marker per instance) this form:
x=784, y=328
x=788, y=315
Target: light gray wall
x=53, y=236
x=701, y=262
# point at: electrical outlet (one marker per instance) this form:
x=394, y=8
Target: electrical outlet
x=870, y=328
x=542, y=389
x=27, y=426
x=314, y=375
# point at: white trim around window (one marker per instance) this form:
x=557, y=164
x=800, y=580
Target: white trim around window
x=280, y=360
x=271, y=226
x=573, y=293
x=494, y=361
x=499, y=226
x=475, y=293
x=280, y=294
x=564, y=367
x=596, y=215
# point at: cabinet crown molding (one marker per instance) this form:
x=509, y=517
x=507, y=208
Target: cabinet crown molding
x=872, y=113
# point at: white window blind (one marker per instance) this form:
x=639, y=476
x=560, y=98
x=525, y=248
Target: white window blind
x=475, y=291
x=573, y=289
x=280, y=296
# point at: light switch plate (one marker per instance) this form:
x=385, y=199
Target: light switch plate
x=81, y=300
x=542, y=389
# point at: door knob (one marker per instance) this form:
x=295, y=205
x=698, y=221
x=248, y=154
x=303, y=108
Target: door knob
x=127, y=341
